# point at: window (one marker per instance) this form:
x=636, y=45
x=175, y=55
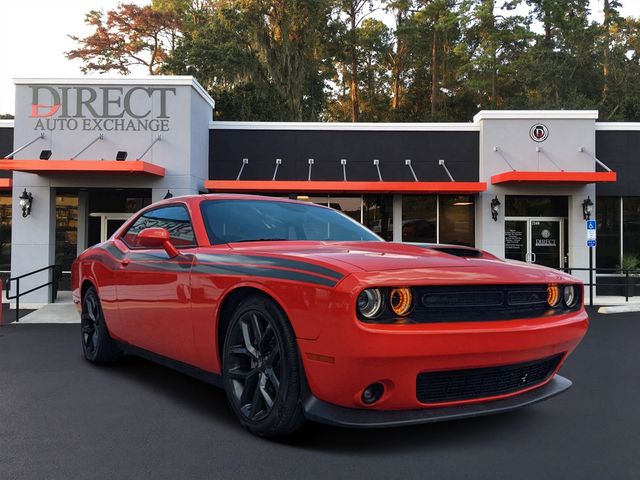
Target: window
x=377, y=215
x=175, y=219
x=420, y=218
x=608, y=218
x=457, y=220
x=5, y=232
x=66, y=230
x=631, y=226
x=535, y=206
x=230, y=221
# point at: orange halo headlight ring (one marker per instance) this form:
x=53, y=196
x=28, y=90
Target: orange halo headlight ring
x=553, y=295
x=401, y=301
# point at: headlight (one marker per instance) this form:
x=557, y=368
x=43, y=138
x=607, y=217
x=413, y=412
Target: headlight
x=553, y=295
x=370, y=302
x=569, y=294
x=400, y=300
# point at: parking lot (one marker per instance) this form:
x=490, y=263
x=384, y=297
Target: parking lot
x=62, y=418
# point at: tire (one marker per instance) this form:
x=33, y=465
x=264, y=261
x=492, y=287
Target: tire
x=97, y=344
x=261, y=369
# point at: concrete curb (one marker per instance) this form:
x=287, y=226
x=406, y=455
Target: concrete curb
x=620, y=309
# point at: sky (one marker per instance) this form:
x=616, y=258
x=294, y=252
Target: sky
x=33, y=38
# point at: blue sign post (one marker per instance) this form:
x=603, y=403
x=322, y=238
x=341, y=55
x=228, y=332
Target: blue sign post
x=591, y=242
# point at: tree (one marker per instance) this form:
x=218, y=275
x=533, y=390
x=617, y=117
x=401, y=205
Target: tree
x=129, y=35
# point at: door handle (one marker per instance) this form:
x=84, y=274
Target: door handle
x=533, y=257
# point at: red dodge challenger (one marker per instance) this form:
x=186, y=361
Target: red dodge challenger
x=299, y=312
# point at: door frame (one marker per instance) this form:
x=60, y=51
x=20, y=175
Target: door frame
x=105, y=217
x=529, y=255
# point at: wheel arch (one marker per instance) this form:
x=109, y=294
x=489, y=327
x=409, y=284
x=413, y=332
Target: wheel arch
x=230, y=302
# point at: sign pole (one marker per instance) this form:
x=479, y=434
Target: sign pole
x=591, y=276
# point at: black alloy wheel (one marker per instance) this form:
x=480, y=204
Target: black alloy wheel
x=260, y=369
x=97, y=345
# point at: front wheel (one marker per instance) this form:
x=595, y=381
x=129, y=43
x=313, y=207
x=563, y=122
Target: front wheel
x=97, y=345
x=261, y=369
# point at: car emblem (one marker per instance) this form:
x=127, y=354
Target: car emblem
x=524, y=378
x=539, y=132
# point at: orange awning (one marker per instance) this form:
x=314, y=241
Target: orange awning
x=80, y=167
x=313, y=186
x=553, y=177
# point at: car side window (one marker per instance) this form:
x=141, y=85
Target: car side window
x=175, y=219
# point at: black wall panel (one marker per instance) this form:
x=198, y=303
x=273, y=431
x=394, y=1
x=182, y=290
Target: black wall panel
x=620, y=151
x=6, y=147
x=227, y=148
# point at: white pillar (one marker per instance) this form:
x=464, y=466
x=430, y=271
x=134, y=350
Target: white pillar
x=397, y=218
x=33, y=240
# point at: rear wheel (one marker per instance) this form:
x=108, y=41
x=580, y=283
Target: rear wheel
x=261, y=369
x=97, y=345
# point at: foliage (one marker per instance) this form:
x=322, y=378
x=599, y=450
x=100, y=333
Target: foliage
x=336, y=60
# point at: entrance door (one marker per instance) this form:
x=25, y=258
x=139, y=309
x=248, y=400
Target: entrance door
x=536, y=240
x=110, y=222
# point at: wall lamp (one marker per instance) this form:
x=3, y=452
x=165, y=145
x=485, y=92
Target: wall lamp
x=26, y=199
x=168, y=195
x=495, y=208
x=587, y=208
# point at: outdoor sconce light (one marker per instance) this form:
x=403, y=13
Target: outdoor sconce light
x=26, y=199
x=168, y=195
x=495, y=208
x=587, y=208
x=121, y=156
x=45, y=154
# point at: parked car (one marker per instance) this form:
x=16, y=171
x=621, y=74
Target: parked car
x=299, y=312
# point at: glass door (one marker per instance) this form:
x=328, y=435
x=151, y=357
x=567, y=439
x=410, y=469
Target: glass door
x=546, y=243
x=516, y=246
x=536, y=240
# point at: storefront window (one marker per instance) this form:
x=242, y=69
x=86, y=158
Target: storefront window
x=5, y=232
x=457, y=220
x=419, y=218
x=351, y=206
x=631, y=226
x=535, y=206
x=377, y=215
x=66, y=230
x=608, y=217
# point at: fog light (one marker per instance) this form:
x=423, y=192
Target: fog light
x=372, y=393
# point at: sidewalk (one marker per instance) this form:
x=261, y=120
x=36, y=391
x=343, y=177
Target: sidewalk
x=63, y=311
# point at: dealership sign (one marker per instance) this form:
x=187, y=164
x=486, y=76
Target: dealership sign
x=100, y=108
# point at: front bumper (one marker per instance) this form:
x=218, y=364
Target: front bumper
x=340, y=365
x=324, y=412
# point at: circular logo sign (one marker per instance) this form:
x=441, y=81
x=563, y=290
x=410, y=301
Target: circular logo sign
x=539, y=132
x=545, y=233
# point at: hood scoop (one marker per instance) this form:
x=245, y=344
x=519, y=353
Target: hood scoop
x=463, y=252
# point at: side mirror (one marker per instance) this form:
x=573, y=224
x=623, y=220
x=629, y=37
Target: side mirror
x=157, y=238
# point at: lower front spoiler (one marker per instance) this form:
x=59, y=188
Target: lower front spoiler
x=322, y=412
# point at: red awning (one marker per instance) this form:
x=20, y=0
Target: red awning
x=314, y=186
x=80, y=167
x=553, y=177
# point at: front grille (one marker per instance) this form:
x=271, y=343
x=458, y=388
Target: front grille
x=455, y=385
x=473, y=303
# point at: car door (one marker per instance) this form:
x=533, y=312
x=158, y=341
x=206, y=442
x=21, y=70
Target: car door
x=153, y=290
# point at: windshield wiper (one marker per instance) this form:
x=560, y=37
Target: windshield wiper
x=261, y=240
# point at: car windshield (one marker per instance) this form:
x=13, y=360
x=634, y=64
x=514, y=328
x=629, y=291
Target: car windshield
x=230, y=221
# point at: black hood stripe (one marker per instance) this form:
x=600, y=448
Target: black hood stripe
x=269, y=262
x=231, y=264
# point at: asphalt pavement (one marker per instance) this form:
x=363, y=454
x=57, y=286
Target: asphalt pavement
x=62, y=418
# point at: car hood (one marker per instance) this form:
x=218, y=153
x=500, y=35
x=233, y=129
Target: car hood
x=356, y=256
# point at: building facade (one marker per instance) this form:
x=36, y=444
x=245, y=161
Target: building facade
x=91, y=152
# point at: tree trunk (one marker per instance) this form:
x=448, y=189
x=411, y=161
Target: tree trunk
x=434, y=72
x=607, y=41
x=355, y=104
